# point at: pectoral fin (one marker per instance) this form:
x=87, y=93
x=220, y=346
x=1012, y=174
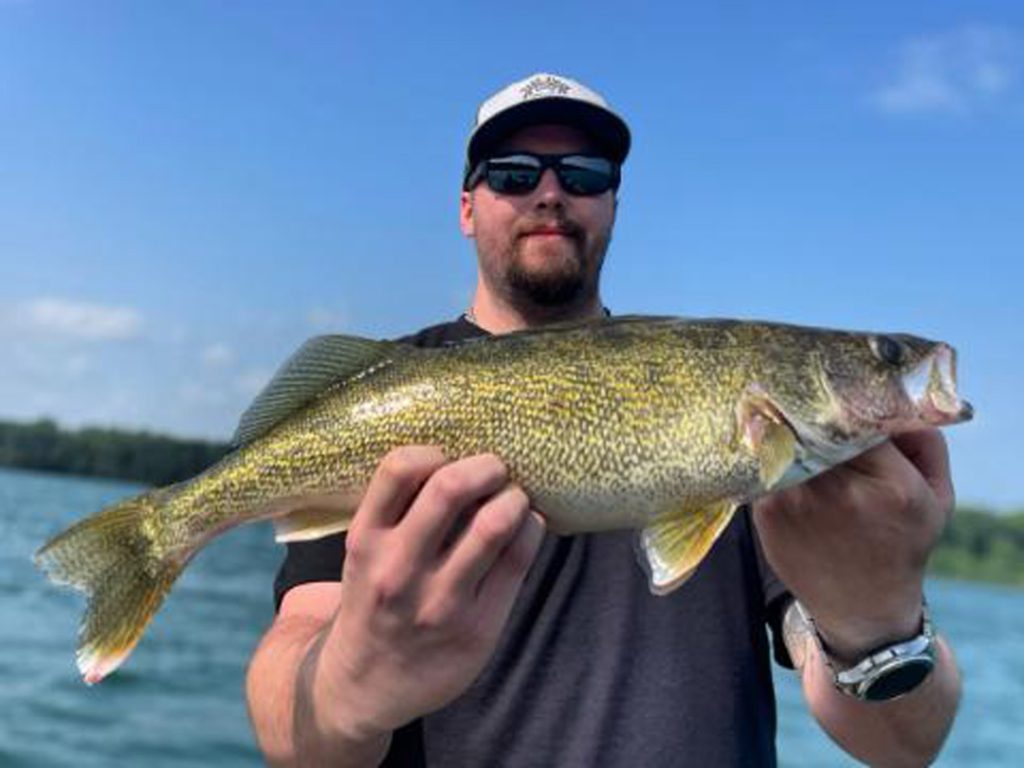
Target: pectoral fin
x=764, y=431
x=672, y=547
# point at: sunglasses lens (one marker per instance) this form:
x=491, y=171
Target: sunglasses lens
x=583, y=175
x=513, y=175
x=512, y=181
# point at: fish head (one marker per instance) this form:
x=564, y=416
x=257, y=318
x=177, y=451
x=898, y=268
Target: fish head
x=858, y=389
x=885, y=384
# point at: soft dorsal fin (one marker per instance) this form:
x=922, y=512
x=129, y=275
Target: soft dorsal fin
x=315, y=366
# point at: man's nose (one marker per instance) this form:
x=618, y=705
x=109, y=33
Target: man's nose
x=549, y=190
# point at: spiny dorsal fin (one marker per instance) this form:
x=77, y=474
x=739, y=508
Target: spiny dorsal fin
x=315, y=366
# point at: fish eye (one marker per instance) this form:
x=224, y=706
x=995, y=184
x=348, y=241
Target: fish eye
x=888, y=350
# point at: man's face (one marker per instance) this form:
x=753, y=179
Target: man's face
x=547, y=246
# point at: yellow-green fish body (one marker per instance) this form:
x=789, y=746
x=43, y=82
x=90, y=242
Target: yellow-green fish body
x=658, y=424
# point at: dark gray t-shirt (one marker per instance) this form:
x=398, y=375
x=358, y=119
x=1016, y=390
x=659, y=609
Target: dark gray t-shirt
x=594, y=670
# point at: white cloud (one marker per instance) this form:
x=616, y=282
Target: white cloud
x=957, y=71
x=62, y=360
x=218, y=356
x=76, y=320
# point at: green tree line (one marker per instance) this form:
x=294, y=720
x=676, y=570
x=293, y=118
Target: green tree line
x=982, y=546
x=978, y=544
x=139, y=456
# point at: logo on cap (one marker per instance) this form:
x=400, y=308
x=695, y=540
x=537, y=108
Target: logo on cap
x=547, y=85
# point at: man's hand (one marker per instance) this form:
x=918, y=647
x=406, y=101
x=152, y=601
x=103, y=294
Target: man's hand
x=852, y=543
x=420, y=613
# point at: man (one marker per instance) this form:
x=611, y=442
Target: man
x=498, y=645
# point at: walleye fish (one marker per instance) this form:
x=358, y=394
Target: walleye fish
x=663, y=425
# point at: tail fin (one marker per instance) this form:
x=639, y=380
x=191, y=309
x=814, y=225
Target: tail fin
x=110, y=558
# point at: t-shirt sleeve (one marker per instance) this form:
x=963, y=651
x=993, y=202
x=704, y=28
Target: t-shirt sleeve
x=309, y=561
x=776, y=598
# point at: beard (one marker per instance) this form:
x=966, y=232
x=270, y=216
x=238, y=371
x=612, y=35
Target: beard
x=566, y=276
x=548, y=288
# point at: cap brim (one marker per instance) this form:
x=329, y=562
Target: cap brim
x=605, y=127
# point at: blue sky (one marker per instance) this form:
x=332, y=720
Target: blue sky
x=190, y=189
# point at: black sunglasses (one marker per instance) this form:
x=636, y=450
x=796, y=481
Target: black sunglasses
x=519, y=173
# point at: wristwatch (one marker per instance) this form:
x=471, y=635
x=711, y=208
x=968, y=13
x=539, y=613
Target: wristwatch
x=887, y=672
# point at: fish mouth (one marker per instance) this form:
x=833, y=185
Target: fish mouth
x=931, y=387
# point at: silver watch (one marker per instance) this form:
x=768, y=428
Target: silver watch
x=887, y=672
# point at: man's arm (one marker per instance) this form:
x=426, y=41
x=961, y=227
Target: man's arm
x=413, y=620
x=852, y=545
x=273, y=682
x=908, y=731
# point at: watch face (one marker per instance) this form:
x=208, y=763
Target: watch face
x=898, y=680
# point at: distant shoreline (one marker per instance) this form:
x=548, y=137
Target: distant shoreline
x=115, y=454
x=979, y=544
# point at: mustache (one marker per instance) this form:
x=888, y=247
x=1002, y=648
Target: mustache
x=564, y=225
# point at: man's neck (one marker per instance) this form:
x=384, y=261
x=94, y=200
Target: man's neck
x=501, y=317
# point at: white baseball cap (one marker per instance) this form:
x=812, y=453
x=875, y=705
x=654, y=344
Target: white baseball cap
x=546, y=98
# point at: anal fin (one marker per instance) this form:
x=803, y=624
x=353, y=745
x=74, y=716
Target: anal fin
x=304, y=518
x=671, y=547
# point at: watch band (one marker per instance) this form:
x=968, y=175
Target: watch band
x=887, y=672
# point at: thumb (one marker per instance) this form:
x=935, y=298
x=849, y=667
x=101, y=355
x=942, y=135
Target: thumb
x=926, y=450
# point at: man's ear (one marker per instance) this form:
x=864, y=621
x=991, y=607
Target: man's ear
x=466, y=213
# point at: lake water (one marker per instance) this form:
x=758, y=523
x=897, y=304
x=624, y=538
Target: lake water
x=179, y=701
